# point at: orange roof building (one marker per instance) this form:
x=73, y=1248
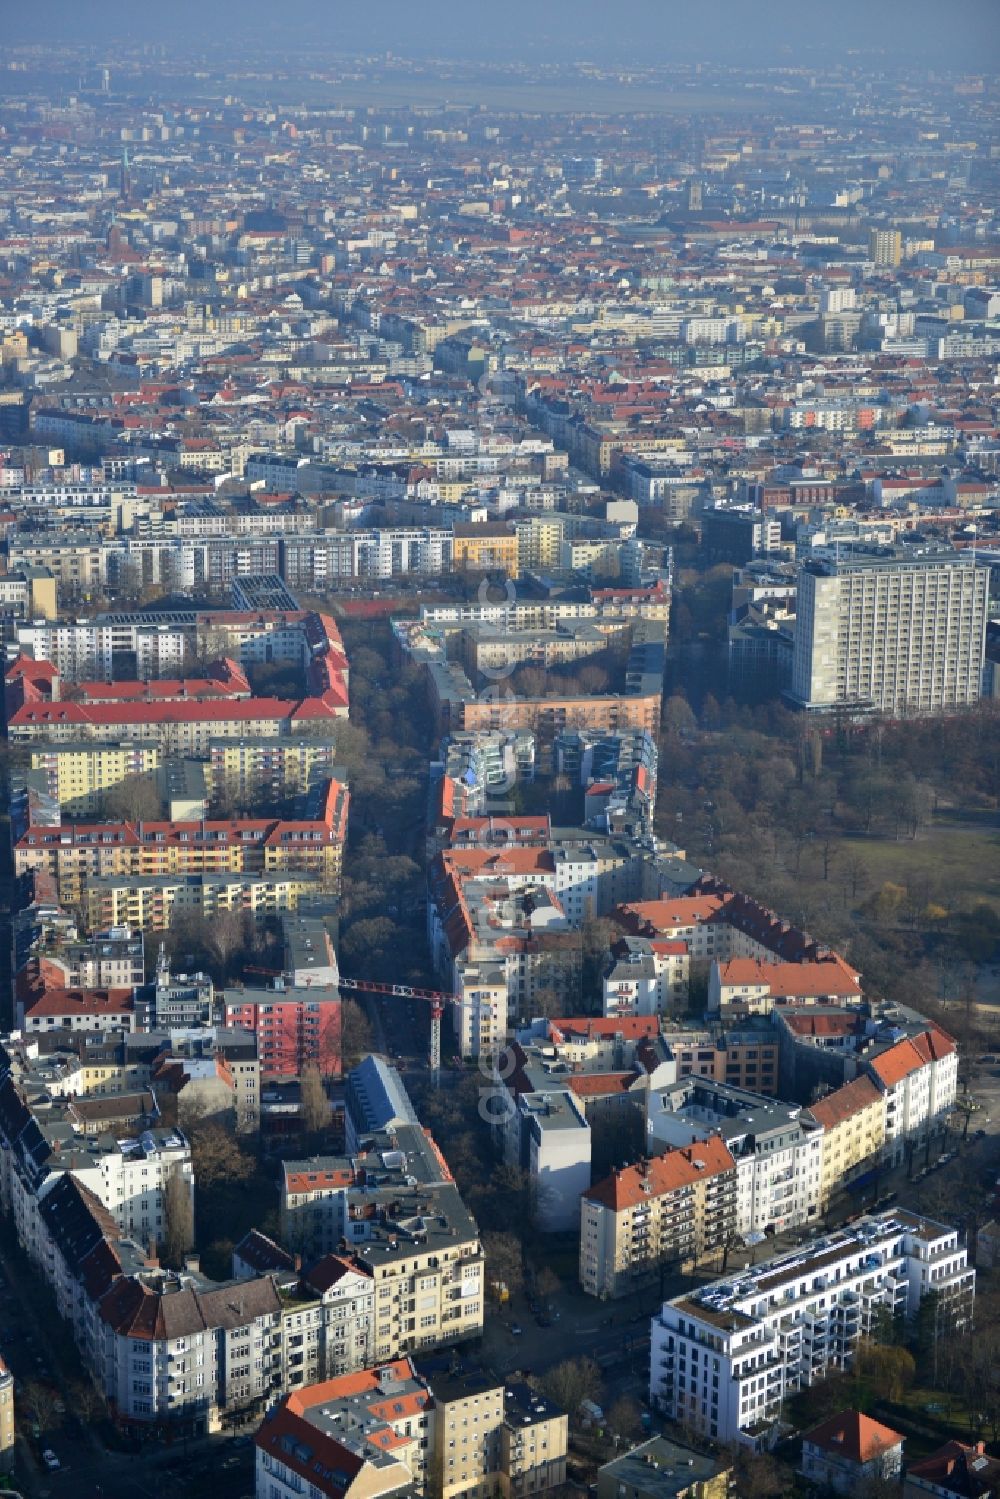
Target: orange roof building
x=667, y=1211
x=849, y=1450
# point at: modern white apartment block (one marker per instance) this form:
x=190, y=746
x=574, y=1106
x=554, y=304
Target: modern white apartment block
x=723, y=1359
x=898, y=630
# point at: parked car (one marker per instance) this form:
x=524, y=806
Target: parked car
x=516, y=1329
x=50, y=1460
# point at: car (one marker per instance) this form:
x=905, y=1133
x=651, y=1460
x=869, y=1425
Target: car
x=516, y=1329
x=989, y=1057
x=980, y=1134
x=944, y=1159
x=543, y=1319
x=50, y=1460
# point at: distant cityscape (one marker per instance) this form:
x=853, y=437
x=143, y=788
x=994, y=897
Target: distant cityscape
x=500, y=606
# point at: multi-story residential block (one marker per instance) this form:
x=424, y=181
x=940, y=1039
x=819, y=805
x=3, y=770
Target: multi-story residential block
x=853, y=1122
x=663, y=1213
x=724, y=1359
x=645, y=976
x=113, y=959
x=896, y=630
x=918, y=1080
x=754, y=986
x=421, y=1429
x=78, y=777
x=393, y=1206
x=131, y=1178
x=776, y=1146
x=663, y=1469
x=151, y=900
x=77, y=852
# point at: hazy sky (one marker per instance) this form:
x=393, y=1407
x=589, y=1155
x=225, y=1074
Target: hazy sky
x=946, y=32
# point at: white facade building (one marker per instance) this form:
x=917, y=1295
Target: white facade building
x=893, y=630
x=724, y=1359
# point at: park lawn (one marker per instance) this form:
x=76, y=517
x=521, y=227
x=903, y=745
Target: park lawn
x=924, y=1431
x=960, y=857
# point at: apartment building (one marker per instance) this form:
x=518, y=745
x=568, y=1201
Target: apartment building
x=78, y=852
x=328, y=1321
x=392, y=1205
x=663, y=1469
x=666, y=1212
x=245, y=769
x=722, y=925
x=421, y=1428
x=112, y=959
x=293, y=1027
x=78, y=776
x=725, y=1358
x=150, y=900
x=491, y=546
x=645, y=976
x=852, y=1119
x=897, y=630
x=745, y=1057
x=754, y=985
x=776, y=1147
x=419, y=1242
x=917, y=1077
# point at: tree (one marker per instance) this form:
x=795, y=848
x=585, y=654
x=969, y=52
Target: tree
x=216, y=1157
x=677, y=715
x=547, y=1283
x=178, y=1220
x=759, y=1475
x=502, y=1252
x=355, y=1034
x=625, y=1417
x=890, y=1369
x=314, y=1105
x=136, y=799
x=571, y=1382
x=41, y=1399
x=225, y=935
x=87, y=1401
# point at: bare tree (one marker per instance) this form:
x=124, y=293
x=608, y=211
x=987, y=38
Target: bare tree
x=136, y=799
x=503, y=1262
x=41, y=1400
x=355, y=1034
x=178, y=1219
x=572, y=1381
x=314, y=1105
x=217, y=1157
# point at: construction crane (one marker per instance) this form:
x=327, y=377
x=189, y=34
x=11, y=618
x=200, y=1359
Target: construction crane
x=436, y=998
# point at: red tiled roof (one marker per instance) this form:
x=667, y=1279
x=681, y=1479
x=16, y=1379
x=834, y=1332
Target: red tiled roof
x=853, y=1436
x=898, y=1062
x=664, y=1173
x=845, y=1102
